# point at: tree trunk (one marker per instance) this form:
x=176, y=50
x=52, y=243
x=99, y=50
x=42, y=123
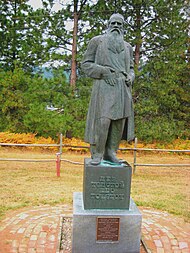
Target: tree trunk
x=74, y=51
x=139, y=37
x=14, y=35
x=137, y=54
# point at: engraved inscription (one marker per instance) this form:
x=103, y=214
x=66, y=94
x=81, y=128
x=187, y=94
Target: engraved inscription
x=105, y=196
x=107, y=188
x=108, y=229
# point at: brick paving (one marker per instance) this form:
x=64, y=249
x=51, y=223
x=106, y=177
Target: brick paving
x=37, y=230
x=34, y=230
x=165, y=233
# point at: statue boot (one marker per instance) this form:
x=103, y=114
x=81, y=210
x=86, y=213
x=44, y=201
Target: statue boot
x=113, y=140
x=95, y=156
x=97, y=149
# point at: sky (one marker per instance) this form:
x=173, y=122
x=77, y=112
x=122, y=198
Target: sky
x=35, y=3
x=57, y=6
x=38, y=4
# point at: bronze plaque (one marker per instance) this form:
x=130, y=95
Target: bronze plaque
x=107, y=229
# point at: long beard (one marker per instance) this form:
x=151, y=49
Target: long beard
x=116, y=42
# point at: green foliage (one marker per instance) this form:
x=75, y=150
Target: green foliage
x=77, y=108
x=157, y=129
x=161, y=95
x=158, y=30
x=13, y=106
x=69, y=118
x=24, y=100
x=21, y=35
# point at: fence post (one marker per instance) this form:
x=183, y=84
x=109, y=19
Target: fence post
x=58, y=164
x=61, y=144
x=58, y=155
x=135, y=156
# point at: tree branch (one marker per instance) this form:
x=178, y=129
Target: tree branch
x=83, y=2
x=148, y=22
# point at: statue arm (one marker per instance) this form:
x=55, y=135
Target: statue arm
x=132, y=72
x=90, y=68
x=130, y=76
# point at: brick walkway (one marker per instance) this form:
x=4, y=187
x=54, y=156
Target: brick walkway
x=165, y=233
x=37, y=230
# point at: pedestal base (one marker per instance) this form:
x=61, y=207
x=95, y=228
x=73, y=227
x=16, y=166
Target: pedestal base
x=105, y=231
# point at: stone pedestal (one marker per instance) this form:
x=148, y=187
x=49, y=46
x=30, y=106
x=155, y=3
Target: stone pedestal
x=105, y=231
x=106, y=186
x=105, y=218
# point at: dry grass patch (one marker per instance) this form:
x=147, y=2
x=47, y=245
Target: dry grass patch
x=165, y=188
x=30, y=184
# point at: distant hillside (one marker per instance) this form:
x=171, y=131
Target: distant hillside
x=48, y=73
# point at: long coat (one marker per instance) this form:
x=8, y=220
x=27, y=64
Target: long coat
x=113, y=102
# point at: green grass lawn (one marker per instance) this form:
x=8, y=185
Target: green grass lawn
x=31, y=184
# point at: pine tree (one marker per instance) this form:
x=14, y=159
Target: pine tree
x=21, y=35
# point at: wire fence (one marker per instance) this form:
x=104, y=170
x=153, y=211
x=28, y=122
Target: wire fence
x=61, y=145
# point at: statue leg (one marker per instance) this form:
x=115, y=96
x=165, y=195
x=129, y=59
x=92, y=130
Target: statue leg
x=113, y=140
x=97, y=150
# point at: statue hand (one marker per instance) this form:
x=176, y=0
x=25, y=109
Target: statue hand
x=110, y=81
x=128, y=78
x=110, y=78
x=128, y=81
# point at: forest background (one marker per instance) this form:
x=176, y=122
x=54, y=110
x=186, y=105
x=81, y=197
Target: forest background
x=34, y=39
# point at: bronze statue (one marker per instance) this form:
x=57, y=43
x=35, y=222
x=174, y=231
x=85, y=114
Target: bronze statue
x=109, y=61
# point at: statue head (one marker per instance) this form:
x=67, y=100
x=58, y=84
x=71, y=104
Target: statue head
x=116, y=23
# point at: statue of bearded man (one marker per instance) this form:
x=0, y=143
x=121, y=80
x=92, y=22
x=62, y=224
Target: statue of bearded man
x=109, y=61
